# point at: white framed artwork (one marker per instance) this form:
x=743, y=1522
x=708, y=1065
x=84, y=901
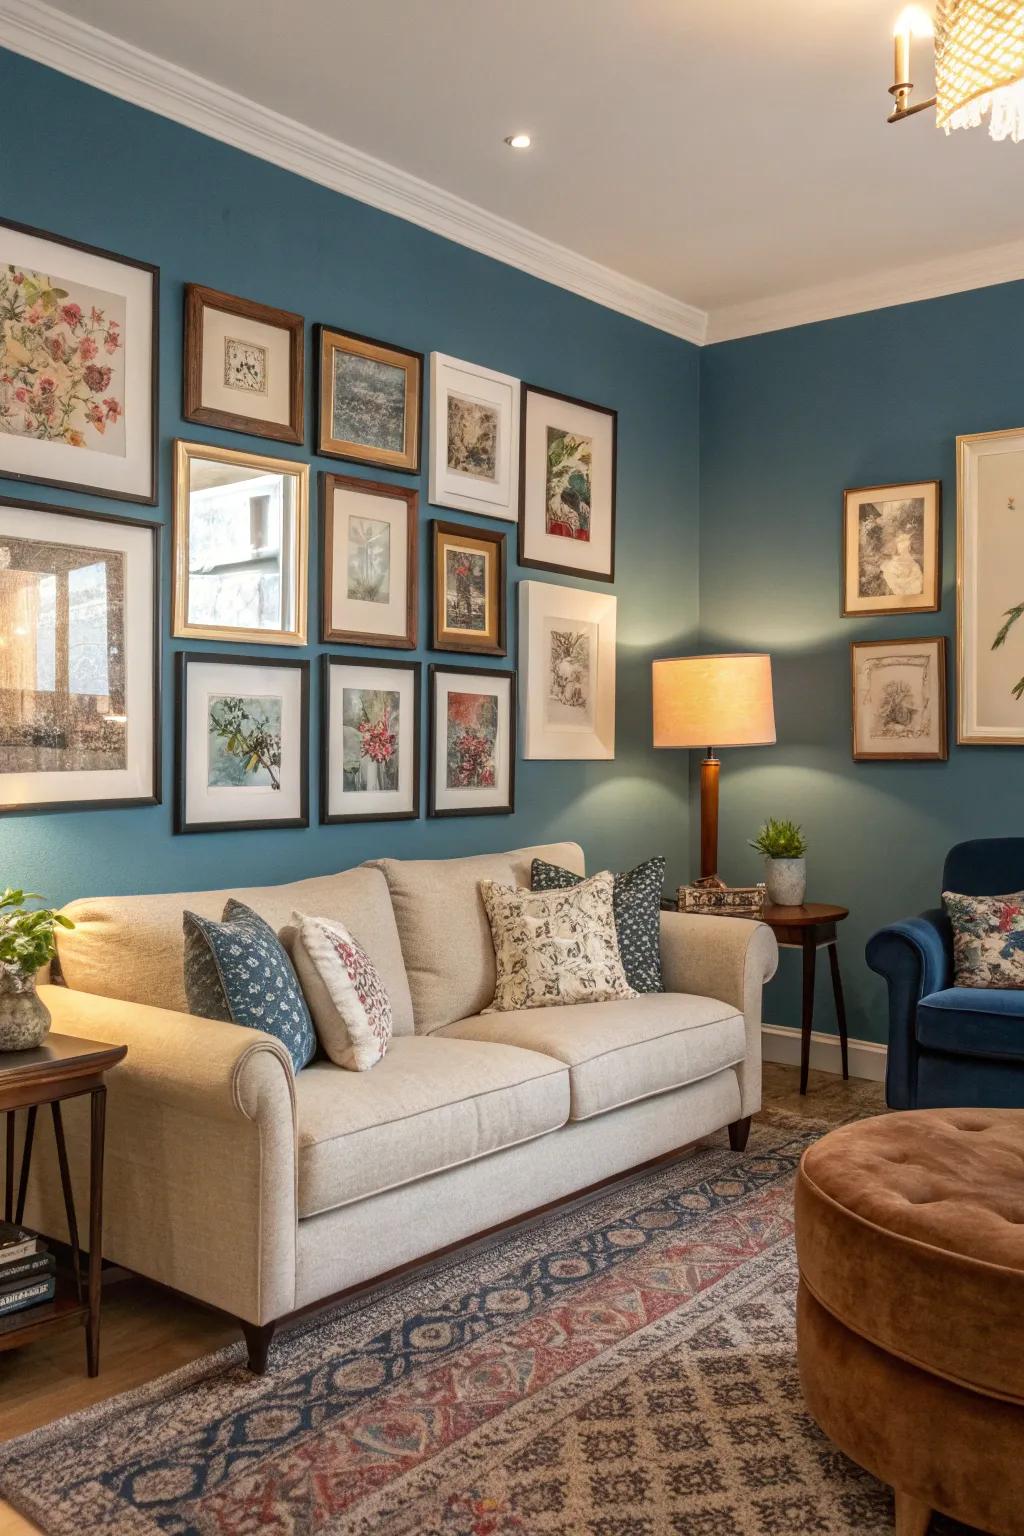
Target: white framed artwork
x=567, y=670
x=474, y=438
x=990, y=589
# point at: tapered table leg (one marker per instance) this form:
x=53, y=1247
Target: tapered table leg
x=837, y=993
x=26, y=1163
x=807, y=1013
x=92, y=1327
x=9, y=1169
x=69, y=1197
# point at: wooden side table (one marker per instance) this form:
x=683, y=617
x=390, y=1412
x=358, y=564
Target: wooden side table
x=810, y=928
x=63, y=1067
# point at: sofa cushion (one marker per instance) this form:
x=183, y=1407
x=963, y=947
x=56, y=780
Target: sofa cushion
x=131, y=946
x=968, y=1021
x=624, y=1050
x=446, y=939
x=430, y=1104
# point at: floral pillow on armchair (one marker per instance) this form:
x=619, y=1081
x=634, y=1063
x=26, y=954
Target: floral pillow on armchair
x=988, y=939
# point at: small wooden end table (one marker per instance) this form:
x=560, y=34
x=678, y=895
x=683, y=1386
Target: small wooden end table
x=63, y=1067
x=810, y=928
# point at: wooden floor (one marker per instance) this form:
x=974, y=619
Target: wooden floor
x=147, y=1333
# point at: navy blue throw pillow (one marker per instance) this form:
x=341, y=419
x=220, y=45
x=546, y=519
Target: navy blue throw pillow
x=237, y=971
x=636, y=902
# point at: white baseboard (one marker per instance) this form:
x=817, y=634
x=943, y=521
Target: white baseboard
x=779, y=1042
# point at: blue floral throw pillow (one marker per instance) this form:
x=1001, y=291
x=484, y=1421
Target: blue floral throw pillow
x=988, y=939
x=636, y=902
x=237, y=971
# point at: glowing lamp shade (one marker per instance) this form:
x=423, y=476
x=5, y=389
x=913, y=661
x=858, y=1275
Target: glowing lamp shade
x=979, y=66
x=713, y=701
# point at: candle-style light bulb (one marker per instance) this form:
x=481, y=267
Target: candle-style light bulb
x=911, y=22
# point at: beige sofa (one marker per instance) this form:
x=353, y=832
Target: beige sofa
x=261, y=1193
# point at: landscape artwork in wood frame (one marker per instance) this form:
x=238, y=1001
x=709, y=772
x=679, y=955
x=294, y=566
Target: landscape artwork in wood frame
x=368, y=400
x=241, y=546
x=369, y=562
x=899, y=700
x=79, y=364
x=567, y=671
x=468, y=589
x=241, y=759
x=474, y=438
x=892, y=549
x=990, y=589
x=79, y=659
x=370, y=740
x=244, y=365
x=567, y=454
x=471, y=766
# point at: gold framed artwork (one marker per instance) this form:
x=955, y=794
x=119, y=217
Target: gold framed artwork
x=368, y=400
x=468, y=589
x=899, y=700
x=567, y=453
x=990, y=589
x=892, y=549
x=369, y=562
x=241, y=546
x=244, y=366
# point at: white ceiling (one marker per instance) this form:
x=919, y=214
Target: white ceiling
x=723, y=152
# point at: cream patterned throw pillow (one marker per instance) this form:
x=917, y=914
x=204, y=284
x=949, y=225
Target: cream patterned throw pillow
x=346, y=996
x=554, y=947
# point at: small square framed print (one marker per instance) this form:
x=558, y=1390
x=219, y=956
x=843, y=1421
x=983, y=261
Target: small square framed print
x=472, y=741
x=468, y=589
x=567, y=671
x=567, y=485
x=370, y=740
x=892, y=549
x=369, y=398
x=474, y=438
x=899, y=700
x=369, y=564
x=242, y=747
x=244, y=365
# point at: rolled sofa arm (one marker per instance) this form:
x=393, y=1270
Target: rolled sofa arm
x=728, y=958
x=916, y=958
x=200, y=1179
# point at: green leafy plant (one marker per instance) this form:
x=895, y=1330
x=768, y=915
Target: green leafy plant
x=27, y=935
x=780, y=840
x=1011, y=616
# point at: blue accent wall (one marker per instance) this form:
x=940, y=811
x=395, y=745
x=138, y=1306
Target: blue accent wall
x=789, y=420
x=85, y=165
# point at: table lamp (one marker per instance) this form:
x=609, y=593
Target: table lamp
x=709, y=702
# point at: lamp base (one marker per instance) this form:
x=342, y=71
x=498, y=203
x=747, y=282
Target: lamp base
x=709, y=768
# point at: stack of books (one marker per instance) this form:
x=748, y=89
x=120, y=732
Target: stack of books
x=26, y=1269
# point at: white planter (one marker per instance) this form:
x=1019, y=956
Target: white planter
x=786, y=881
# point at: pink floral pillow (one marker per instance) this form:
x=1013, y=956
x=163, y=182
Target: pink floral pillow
x=347, y=998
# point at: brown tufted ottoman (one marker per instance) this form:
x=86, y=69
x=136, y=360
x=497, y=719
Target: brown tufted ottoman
x=910, y=1317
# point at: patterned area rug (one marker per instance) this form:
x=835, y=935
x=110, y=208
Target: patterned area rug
x=625, y=1368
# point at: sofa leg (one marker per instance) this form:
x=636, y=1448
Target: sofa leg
x=257, y=1339
x=739, y=1131
x=912, y=1517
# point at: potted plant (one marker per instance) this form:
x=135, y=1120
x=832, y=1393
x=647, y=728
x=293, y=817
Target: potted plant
x=784, y=846
x=26, y=943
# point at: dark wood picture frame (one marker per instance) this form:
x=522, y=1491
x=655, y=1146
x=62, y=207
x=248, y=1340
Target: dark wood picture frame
x=942, y=755
x=526, y=392
x=891, y=611
x=198, y=299
x=327, y=662
x=150, y=499
x=441, y=640
x=155, y=531
x=435, y=670
x=331, y=635
x=182, y=661
x=329, y=338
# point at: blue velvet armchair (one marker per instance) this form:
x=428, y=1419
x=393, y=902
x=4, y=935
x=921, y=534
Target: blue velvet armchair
x=951, y=1046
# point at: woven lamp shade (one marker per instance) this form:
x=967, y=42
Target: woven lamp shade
x=979, y=63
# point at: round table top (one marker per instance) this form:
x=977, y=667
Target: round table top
x=807, y=916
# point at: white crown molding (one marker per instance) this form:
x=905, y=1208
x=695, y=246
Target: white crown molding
x=878, y=290
x=73, y=47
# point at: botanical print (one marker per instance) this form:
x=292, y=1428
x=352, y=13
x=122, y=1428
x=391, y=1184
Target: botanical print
x=368, y=405
x=1010, y=618
x=988, y=939
x=246, y=366
x=472, y=438
x=465, y=589
x=569, y=681
x=898, y=696
x=472, y=736
x=62, y=658
x=244, y=736
x=890, y=548
x=370, y=721
x=61, y=361
x=567, y=499
x=369, y=559
x=234, y=550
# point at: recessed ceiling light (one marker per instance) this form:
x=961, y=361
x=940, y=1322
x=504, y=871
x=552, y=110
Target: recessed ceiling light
x=518, y=141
